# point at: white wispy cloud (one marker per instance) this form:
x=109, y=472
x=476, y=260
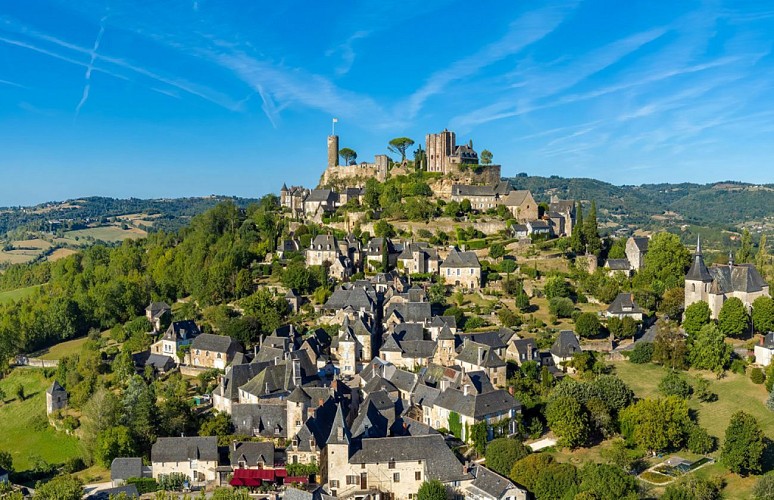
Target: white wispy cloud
x=346, y=51
x=524, y=31
x=90, y=67
x=10, y=83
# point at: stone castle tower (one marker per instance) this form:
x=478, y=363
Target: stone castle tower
x=333, y=151
x=439, y=149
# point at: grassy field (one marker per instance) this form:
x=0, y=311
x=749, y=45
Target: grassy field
x=24, y=429
x=19, y=293
x=63, y=349
x=735, y=392
x=106, y=233
x=61, y=253
x=18, y=256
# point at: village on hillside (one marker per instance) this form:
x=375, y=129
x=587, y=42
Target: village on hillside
x=408, y=329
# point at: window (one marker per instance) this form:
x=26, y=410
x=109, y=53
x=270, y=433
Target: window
x=391, y=464
x=334, y=483
x=418, y=475
x=396, y=477
x=362, y=466
x=197, y=352
x=353, y=480
x=218, y=355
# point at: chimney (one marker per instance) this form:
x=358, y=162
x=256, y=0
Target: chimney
x=480, y=355
x=465, y=389
x=235, y=445
x=510, y=390
x=255, y=350
x=297, y=372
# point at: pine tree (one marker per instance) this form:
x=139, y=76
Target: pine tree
x=591, y=232
x=577, y=241
x=762, y=257
x=744, y=254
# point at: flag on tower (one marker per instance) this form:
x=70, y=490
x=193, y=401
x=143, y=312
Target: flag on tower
x=335, y=120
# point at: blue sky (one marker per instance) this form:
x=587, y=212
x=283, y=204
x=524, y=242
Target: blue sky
x=180, y=98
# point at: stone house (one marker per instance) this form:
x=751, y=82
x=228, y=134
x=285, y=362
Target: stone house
x=488, y=485
x=461, y=269
x=287, y=246
x=624, y=305
x=636, y=248
x=481, y=198
x=157, y=313
x=196, y=457
x=615, y=267
x=320, y=202
x=374, y=254
x=324, y=248
x=293, y=199
x=476, y=356
x=539, y=227
x=122, y=469
x=567, y=209
x=56, y=398
x=179, y=334
x=522, y=350
x=351, y=301
x=565, y=347
x=213, y=351
x=418, y=258
x=353, y=348
x=717, y=284
x=467, y=406
x=521, y=204
x=764, y=352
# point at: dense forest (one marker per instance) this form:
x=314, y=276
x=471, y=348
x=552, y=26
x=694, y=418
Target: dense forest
x=214, y=260
x=174, y=212
x=720, y=204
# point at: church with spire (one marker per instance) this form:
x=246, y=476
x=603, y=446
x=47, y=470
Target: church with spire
x=714, y=285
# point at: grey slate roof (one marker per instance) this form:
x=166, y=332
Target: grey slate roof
x=480, y=354
x=565, y=345
x=457, y=259
x=182, y=330
x=477, y=406
x=739, y=278
x=491, y=339
x=489, y=482
x=321, y=195
x=410, y=312
x=641, y=243
x=252, y=453
x=356, y=297
x=55, y=388
x=768, y=340
x=440, y=461
x=156, y=308
x=215, y=343
x=698, y=270
x=124, y=468
x=618, y=264
x=324, y=242
x=624, y=304
x=183, y=449
x=270, y=420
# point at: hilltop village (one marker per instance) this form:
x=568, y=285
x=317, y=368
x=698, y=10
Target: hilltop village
x=408, y=329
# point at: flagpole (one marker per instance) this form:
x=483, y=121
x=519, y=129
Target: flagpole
x=333, y=126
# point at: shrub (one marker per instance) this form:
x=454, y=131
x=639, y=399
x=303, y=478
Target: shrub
x=674, y=385
x=587, y=325
x=561, y=307
x=757, y=376
x=738, y=366
x=699, y=441
x=642, y=353
x=143, y=484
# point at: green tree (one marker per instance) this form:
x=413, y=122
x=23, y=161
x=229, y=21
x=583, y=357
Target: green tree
x=587, y=325
x=465, y=206
x=745, y=253
x=642, y=353
x=112, y=443
x=496, y=251
x=218, y=425
x=699, y=440
x=486, y=157
x=556, y=286
x=384, y=229
x=744, y=444
x=607, y=481
x=673, y=384
x=620, y=455
x=694, y=488
x=763, y=314
x=373, y=190
x=591, y=231
x=696, y=316
x=665, y=264
x=672, y=303
x=656, y=424
x=558, y=480
x=399, y=145
x=19, y=392
x=62, y=487
x=733, y=319
x=432, y=490
x=569, y=421
x=762, y=257
x=503, y=453
x=709, y=351
x=348, y=155
x=670, y=348
x=478, y=436
x=6, y=461
x=613, y=391
x=561, y=307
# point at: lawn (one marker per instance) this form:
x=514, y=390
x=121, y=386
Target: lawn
x=63, y=349
x=24, y=429
x=19, y=293
x=61, y=253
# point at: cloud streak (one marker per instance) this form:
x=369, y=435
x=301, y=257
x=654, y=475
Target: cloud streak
x=90, y=67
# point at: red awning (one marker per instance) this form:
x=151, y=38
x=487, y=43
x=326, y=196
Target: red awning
x=297, y=479
x=247, y=481
x=261, y=474
x=281, y=472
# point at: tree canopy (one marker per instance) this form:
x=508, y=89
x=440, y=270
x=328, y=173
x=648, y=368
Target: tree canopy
x=743, y=445
x=399, y=145
x=733, y=319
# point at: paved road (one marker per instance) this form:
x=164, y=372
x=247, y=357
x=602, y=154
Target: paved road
x=543, y=443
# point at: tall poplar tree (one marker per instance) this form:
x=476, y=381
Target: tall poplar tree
x=577, y=241
x=591, y=231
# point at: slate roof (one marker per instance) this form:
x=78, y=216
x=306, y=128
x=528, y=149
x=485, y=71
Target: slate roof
x=491, y=339
x=339, y=433
x=565, y=345
x=479, y=354
x=374, y=246
x=404, y=380
x=157, y=308
x=527, y=346
x=641, y=243
x=379, y=384
x=739, y=278
x=516, y=198
x=440, y=461
x=324, y=242
x=418, y=349
x=489, y=482
x=55, y=388
x=410, y=312
x=477, y=406
x=457, y=259
x=124, y=468
x=269, y=419
x=215, y=343
x=321, y=195
x=618, y=264
x=768, y=341
x=698, y=270
x=446, y=334
x=183, y=449
x=624, y=304
x=251, y=453
x=357, y=298
x=159, y=362
x=182, y=330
